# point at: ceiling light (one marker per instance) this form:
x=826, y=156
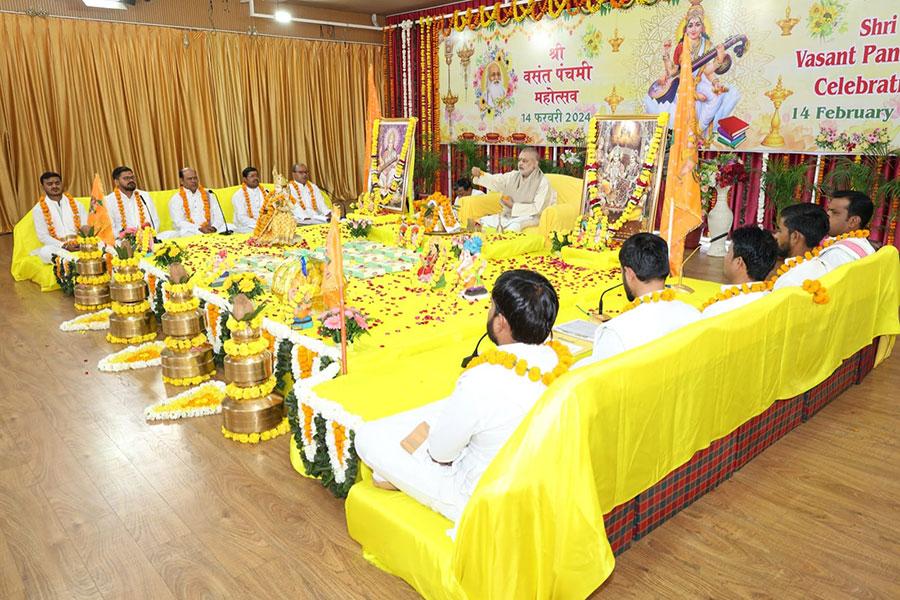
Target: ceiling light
x=117, y=4
x=283, y=16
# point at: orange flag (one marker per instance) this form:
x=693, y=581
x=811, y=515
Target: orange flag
x=333, y=278
x=682, y=211
x=373, y=111
x=98, y=217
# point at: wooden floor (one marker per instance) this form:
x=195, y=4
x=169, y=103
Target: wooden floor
x=95, y=502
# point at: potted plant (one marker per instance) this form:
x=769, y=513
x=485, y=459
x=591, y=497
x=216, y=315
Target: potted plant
x=428, y=164
x=866, y=176
x=474, y=155
x=781, y=180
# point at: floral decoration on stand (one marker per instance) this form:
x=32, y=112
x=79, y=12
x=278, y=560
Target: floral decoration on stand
x=358, y=228
x=65, y=273
x=354, y=321
x=205, y=399
x=168, y=254
x=243, y=283
x=187, y=358
x=132, y=321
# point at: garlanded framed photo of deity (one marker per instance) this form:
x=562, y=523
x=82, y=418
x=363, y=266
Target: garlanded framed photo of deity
x=622, y=175
x=391, y=163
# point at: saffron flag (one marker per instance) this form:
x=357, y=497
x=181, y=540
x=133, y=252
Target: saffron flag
x=333, y=277
x=373, y=111
x=98, y=217
x=682, y=211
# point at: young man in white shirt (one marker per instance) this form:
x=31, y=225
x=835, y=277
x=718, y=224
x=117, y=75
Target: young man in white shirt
x=437, y=453
x=193, y=208
x=849, y=214
x=129, y=207
x=248, y=201
x=746, y=265
x=653, y=311
x=57, y=217
x=801, y=228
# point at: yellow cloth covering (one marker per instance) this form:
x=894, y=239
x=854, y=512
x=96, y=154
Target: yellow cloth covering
x=559, y=217
x=605, y=433
x=24, y=266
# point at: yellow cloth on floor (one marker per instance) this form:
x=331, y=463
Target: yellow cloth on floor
x=602, y=434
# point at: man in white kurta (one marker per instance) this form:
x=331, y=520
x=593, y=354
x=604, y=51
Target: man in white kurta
x=801, y=228
x=203, y=214
x=848, y=212
x=248, y=201
x=462, y=433
x=746, y=266
x=309, y=203
x=525, y=193
x=644, y=258
x=129, y=207
x=57, y=217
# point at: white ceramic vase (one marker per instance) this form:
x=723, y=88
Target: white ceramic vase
x=719, y=221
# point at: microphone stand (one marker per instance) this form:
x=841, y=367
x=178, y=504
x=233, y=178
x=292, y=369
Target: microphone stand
x=600, y=314
x=680, y=286
x=471, y=357
x=222, y=212
x=149, y=214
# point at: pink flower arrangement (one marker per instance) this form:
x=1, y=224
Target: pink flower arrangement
x=354, y=321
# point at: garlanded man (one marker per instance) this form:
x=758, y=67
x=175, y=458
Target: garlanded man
x=849, y=214
x=801, y=228
x=57, y=218
x=747, y=264
x=454, y=440
x=309, y=203
x=192, y=208
x=128, y=207
x=248, y=201
x=525, y=193
x=652, y=311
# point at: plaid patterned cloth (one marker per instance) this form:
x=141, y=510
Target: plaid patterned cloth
x=842, y=378
x=619, y=524
x=866, y=360
x=766, y=428
x=707, y=469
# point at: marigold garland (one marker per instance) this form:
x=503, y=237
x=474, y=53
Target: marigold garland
x=178, y=288
x=252, y=348
x=91, y=240
x=255, y=438
x=92, y=279
x=91, y=307
x=818, y=291
x=183, y=345
x=186, y=381
x=142, y=219
x=119, y=263
x=814, y=252
x=312, y=195
x=254, y=391
x=235, y=325
x=90, y=255
x=247, y=202
x=520, y=365
x=738, y=290
x=127, y=277
x=187, y=207
x=138, y=339
x=48, y=220
x=130, y=309
x=667, y=295
x=179, y=307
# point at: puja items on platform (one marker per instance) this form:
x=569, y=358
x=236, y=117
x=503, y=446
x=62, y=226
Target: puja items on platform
x=188, y=357
x=132, y=321
x=92, y=283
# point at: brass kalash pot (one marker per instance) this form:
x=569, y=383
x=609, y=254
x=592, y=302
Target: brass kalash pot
x=249, y=363
x=92, y=283
x=188, y=357
x=132, y=320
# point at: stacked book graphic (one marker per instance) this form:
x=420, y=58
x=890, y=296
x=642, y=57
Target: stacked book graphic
x=732, y=131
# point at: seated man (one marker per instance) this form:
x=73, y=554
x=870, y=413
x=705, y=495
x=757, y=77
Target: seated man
x=57, y=218
x=309, y=202
x=128, y=206
x=747, y=264
x=525, y=193
x=193, y=209
x=653, y=312
x=849, y=214
x=462, y=188
x=437, y=453
x=248, y=201
x=801, y=228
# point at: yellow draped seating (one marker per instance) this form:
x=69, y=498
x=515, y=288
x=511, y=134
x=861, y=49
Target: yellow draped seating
x=602, y=435
x=559, y=217
x=26, y=267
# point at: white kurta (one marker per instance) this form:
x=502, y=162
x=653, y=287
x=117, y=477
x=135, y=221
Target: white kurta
x=244, y=222
x=64, y=224
x=525, y=211
x=845, y=251
x=724, y=306
x=180, y=221
x=467, y=430
x=132, y=216
x=303, y=208
x=810, y=269
x=638, y=326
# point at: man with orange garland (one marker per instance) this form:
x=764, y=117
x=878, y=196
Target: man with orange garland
x=309, y=203
x=193, y=209
x=248, y=201
x=129, y=207
x=57, y=218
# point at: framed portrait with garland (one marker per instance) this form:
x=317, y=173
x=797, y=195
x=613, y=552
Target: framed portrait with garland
x=391, y=164
x=622, y=176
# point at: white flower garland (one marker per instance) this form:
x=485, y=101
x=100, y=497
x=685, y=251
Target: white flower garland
x=317, y=373
x=214, y=337
x=761, y=201
x=338, y=463
x=406, y=67
x=84, y=322
x=109, y=364
x=153, y=415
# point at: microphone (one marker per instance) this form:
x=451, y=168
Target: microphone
x=600, y=304
x=222, y=212
x=680, y=286
x=149, y=214
x=468, y=359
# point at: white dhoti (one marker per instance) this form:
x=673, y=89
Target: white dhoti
x=430, y=483
x=505, y=223
x=46, y=253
